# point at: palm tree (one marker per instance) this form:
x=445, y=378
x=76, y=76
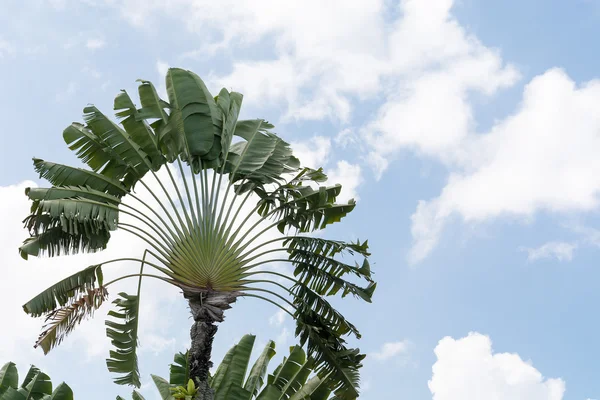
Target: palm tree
x=198, y=237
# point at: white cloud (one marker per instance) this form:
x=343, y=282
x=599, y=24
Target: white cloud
x=562, y=251
x=278, y=318
x=468, y=369
x=349, y=176
x=162, y=67
x=543, y=157
x=391, y=350
x=95, y=43
x=313, y=153
x=426, y=68
x=6, y=48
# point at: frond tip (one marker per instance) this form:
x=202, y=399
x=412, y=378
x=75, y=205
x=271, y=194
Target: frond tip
x=124, y=336
x=62, y=321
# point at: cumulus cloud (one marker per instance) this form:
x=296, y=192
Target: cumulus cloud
x=562, y=251
x=543, y=157
x=468, y=369
x=391, y=350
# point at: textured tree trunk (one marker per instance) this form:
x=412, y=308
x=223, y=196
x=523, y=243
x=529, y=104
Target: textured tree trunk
x=207, y=309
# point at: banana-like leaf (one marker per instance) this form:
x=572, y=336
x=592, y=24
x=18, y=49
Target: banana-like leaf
x=289, y=374
x=306, y=300
x=314, y=389
x=63, y=175
x=196, y=115
x=270, y=393
x=163, y=387
x=62, y=321
x=233, y=391
x=152, y=105
x=257, y=374
x=93, y=151
x=65, y=291
x=230, y=104
x=9, y=377
x=180, y=370
x=57, y=225
x=305, y=208
x=235, y=369
x=135, y=395
x=249, y=156
x=54, y=241
x=36, y=385
x=317, y=268
x=138, y=129
x=262, y=159
x=120, y=142
x=124, y=337
x=218, y=377
x=76, y=214
x=71, y=192
x=331, y=356
x=62, y=392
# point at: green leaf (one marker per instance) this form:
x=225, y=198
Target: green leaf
x=257, y=374
x=180, y=370
x=9, y=377
x=163, y=387
x=331, y=356
x=138, y=129
x=237, y=366
x=137, y=396
x=71, y=192
x=93, y=151
x=124, y=337
x=120, y=142
x=317, y=268
x=230, y=104
x=196, y=115
x=314, y=389
x=251, y=155
x=152, y=105
x=288, y=369
x=270, y=393
x=64, y=291
x=36, y=384
x=64, y=175
x=62, y=392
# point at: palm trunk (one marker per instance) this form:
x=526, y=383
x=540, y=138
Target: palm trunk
x=207, y=309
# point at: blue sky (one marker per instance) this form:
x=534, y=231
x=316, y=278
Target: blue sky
x=468, y=131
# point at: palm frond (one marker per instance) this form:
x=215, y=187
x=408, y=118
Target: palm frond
x=331, y=356
x=124, y=337
x=62, y=321
x=180, y=370
x=194, y=111
x=316, y=266
x=64, y=175
x=257, y=374
x=120, y=144
x=64, y=292
x=138, y=129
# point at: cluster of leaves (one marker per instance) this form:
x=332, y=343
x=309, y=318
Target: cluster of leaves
x=36, y=385
x=292, y=379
